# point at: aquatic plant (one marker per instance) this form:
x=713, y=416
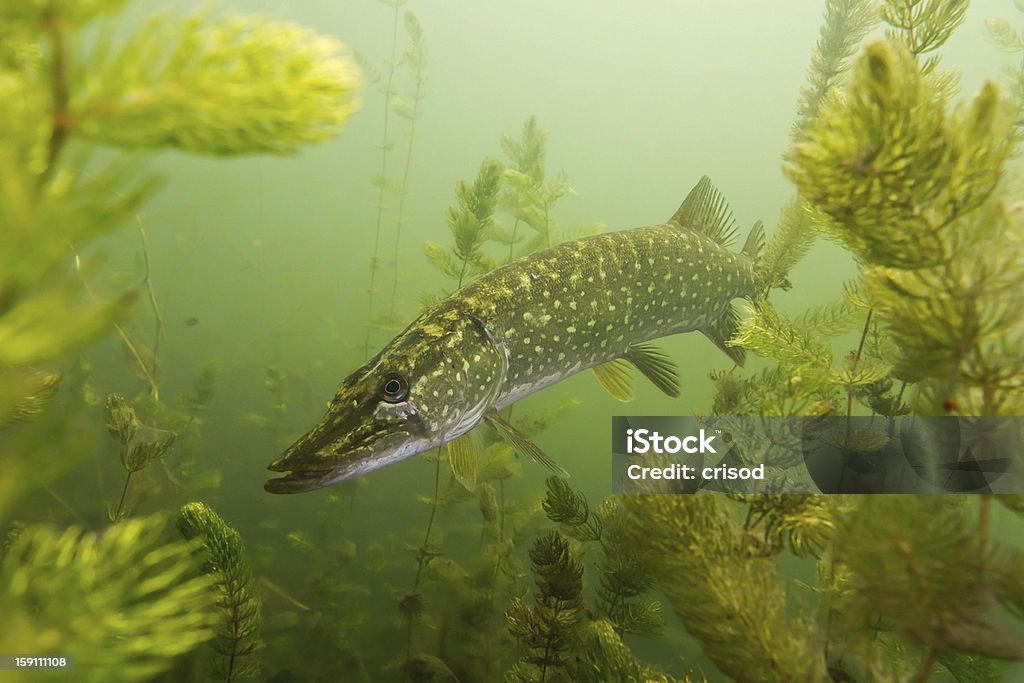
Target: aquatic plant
x=601, y=656
x=140, y=443
x=547, y=627
x=623, y=581
x=846, y=22
x=928, y=547
x=206, y=84
x=927, y=230
x=1011, y=40
x=530, y=197
x=470, y=221
x=224, y=559
x=414, y=58
x=124, y=603
x=734, y=604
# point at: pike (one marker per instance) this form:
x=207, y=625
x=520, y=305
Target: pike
x=593, y=303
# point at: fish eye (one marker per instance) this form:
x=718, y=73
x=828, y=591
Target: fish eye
x=393, y=388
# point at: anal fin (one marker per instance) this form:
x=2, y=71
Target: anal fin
x=615, y=377
x=523, y=444
x=721, y=330
x=656, y=365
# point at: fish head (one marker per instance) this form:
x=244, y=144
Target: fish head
x=431, y=384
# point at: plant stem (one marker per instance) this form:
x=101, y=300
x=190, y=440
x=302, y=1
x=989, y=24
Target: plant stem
x=154, y=389
x=384, y=149
x=124, y=492
x=853, y=369
x=151, y=295
x=422, y=559
x=430, y=523
x=416, y=97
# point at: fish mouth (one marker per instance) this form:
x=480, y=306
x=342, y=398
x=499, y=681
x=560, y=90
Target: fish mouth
x=310, y=466
x=300, y=481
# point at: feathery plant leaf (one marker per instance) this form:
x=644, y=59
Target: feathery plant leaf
x=793, y=237
x=769, y=332
x=922, y=546
x=546, y=629
x=891, y=170
x=224, y=553
x=123, y=603
x=470, y=221
x=735, y=605
x=803, y=522
x=846, y=24
x=228, y=85
x=923, y=25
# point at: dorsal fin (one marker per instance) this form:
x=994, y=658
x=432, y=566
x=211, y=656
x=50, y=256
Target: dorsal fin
x=705, y=211
x=754, y=245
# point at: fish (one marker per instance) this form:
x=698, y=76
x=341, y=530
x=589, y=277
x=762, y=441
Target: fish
x=592, y=303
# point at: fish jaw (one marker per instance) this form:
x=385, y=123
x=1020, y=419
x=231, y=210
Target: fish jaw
x=310, y=469
x=358, y=434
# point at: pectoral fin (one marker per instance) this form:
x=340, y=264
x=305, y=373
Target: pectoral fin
x=723, y=329
x=523, y=444
x=616, y=379
x=656, y=365
x=463, y=455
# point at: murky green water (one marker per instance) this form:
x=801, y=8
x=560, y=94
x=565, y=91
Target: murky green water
x=261, y=269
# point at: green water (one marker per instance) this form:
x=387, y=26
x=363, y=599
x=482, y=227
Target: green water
x=262, y=265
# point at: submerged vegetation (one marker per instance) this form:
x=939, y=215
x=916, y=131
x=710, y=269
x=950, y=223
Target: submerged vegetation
x=77, y=107
x=494, y=578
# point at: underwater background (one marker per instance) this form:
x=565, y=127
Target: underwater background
x=166, y=341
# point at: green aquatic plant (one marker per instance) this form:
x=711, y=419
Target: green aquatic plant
x=733, y=603
x=923, y=25
x=792, y=238
x=125, y=603
x=623, y=581
x=414, y=58
x=277, y=86
x=530, y=196
x=802, y=523
x=902, y=558
x=547, y=627
x=470, y=221
x=601, y=656
x=1011, y=40
x=927, y=230
x=206, y=84
x=224, y=559
x=845, y=25
x=140, y=443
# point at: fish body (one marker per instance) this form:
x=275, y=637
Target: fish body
x=525, y=326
